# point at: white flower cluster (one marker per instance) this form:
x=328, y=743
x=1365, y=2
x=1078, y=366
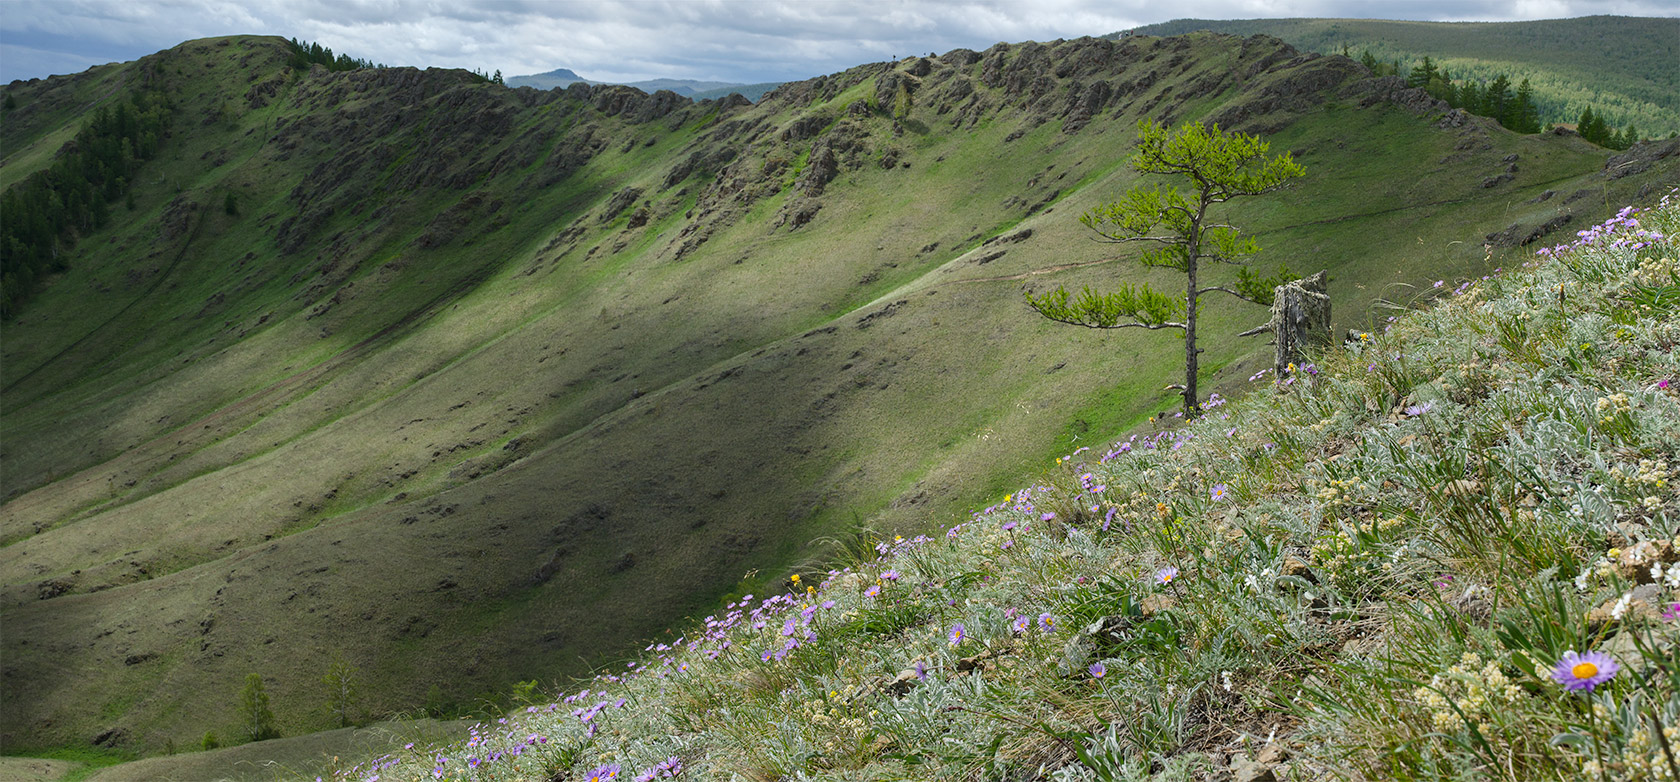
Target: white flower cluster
x=1597, y=571
x=1464, y=691
x=1642, y=759
x=1649, y=477
x=1657, y=271
x=1611, y=407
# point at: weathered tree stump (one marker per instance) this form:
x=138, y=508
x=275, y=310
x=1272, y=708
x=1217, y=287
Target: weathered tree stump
x=1300, y=317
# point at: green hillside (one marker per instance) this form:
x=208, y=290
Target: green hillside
x=474, y=385
x=1623, y=67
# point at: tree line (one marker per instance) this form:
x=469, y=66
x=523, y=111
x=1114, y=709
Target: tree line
x=1512, y=106
x=305, y=55
x=41, y=217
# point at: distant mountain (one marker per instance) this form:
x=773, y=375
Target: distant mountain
x=688, y=88
x=1623, y=67
x=559, y=77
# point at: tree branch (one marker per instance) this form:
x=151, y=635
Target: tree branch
x=1132, y=325
x=1223, y=289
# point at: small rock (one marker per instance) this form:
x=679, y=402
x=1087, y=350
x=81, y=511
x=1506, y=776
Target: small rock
x=1155, y=604
x=1245, y=770
x=903, y=683
x=1644, y=603
x=1462, y=488
x=1297, y=567
x=1634, y=563
x=1272, y=754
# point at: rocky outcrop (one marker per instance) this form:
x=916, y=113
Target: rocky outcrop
x=1640, y=157
x=1518, y=235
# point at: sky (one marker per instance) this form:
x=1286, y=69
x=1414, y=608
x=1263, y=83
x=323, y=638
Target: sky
x=738, y=41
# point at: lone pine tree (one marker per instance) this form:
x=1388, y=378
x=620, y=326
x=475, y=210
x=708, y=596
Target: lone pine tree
x=1219, y=167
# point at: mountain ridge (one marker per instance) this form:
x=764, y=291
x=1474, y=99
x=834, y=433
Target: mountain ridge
x=1611, y=63
x=474, y=367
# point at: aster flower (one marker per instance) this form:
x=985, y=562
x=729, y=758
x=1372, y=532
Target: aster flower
x=605, y=773
x=1582, y=672
x=1047, y=622
x=958, y=634
x=1097, y=670
x=1166, y=575
x=1221, y=491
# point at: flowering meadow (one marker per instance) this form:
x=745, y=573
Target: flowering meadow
x=1441, y=550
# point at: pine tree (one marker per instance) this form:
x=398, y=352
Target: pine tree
x=1527, y=115
x=1220, y=167
x=1497, y=101
x=1422, y=75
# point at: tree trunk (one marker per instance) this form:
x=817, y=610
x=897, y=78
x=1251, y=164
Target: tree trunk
x=1300, y=317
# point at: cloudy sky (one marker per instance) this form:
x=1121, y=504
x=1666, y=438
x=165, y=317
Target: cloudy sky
x=740, y=41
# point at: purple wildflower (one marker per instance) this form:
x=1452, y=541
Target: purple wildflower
x=1047, y=622
x=1097, y=670
x=958, y=634
x=1582, y=672
x=1220, y=491
x=1166, y=575
x=605, y=773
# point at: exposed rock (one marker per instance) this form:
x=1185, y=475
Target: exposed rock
x=1635, y=562
x=1296, y=567
x=619, y=202
x=820, y=169
x=902, y=684
x=1087, y=103
x=1156, y=603
x=1495, y=181
x=111, y=737
x=1644, y=603
x=1516, y=235
x=1640, y=157
x=1245, y=770
x=53, y=587
x=808, y=126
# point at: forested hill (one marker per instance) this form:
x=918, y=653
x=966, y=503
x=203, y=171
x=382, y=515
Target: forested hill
x=461, y=385
x=1622, y=67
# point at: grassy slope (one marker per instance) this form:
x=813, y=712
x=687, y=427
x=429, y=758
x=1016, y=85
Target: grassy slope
x=1614, y=64
x=486, y=458
x=1371, y=574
